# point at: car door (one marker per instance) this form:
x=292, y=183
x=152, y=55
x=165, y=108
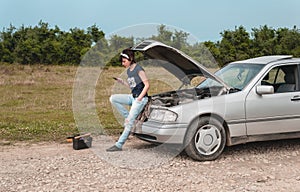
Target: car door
x=278, y=112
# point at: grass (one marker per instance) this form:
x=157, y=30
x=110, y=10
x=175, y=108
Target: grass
x=36, y=101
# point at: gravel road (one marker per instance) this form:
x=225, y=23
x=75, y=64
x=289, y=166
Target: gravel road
x=263, y=166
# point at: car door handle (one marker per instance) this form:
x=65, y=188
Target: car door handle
x=296, y=98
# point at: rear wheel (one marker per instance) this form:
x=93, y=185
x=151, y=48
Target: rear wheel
x=205, y=139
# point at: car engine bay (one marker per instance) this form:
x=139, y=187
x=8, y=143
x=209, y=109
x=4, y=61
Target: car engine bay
x=173, y=98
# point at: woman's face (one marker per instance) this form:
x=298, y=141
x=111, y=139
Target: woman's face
x=125, y=62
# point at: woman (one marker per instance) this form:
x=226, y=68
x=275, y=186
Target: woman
x=138, y=83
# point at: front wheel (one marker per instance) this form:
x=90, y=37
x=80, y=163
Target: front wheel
x=205, y=139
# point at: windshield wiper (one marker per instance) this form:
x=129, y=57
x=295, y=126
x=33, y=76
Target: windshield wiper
x=234, y=89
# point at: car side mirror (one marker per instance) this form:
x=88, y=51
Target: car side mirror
x=264, y=89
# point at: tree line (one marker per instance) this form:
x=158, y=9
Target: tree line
x=42, y=44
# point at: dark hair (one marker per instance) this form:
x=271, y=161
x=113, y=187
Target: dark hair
x=128, y=54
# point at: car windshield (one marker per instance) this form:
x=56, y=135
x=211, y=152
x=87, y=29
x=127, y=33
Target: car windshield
x=236, y=75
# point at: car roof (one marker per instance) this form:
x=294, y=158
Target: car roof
x=265, y=59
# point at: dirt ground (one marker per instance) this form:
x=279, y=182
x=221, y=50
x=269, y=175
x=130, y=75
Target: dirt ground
x=262, y=166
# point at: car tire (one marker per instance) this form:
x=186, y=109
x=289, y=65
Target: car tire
x=205, y=139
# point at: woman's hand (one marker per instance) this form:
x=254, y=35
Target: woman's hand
x=121, y=81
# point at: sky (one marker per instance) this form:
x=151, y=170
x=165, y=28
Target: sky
x=204, y=20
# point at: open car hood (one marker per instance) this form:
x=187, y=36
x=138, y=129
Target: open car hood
x=175, y=61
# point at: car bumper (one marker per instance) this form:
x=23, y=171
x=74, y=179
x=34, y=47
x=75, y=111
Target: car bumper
x=158, y=132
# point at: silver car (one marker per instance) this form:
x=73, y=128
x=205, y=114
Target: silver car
x=251, y=100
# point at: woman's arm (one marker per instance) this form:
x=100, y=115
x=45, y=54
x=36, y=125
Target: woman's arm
x=122, y=81
x=145, y=80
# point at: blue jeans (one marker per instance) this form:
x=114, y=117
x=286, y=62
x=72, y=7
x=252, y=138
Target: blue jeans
x=118, y=101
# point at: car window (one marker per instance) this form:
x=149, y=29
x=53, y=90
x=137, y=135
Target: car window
x=238, y=75
x=275, y=76
x=207, y=83
x=282, y=78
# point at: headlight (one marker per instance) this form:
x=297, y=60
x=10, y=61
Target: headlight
x=163, y=115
